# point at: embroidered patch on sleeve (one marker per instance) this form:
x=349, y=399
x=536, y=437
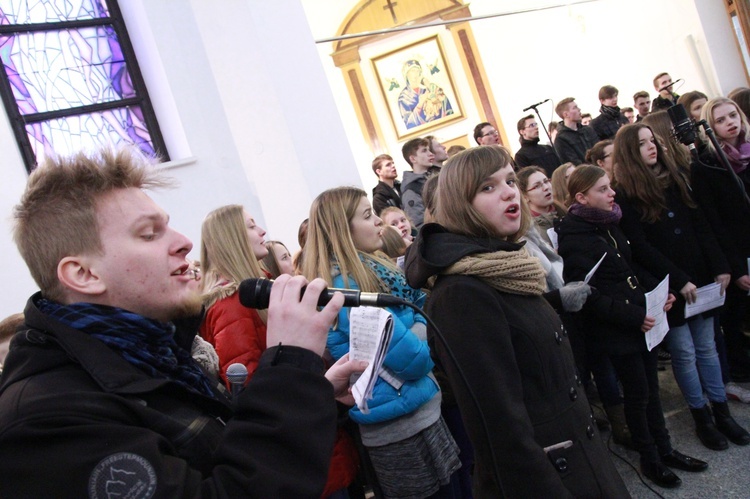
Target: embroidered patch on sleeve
x=122, y=475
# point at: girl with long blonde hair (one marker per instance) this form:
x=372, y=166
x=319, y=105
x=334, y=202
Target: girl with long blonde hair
x=723, y=197
x=411, y=449
x=231, y=245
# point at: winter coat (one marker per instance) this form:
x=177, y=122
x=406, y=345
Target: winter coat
x=514, y=355
x=237, y=333
x=383, y=196
x=680, y=244
x=608, y=122
x=77, y=420
x=726, y=210
x=613, y=315
x=408, y=358
x=571, y=145
x=532, y=153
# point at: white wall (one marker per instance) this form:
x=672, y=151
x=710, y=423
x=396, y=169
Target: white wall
x=561, y=52
x=245, y=104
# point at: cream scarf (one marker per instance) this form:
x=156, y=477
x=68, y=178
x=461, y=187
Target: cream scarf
x=515, y=272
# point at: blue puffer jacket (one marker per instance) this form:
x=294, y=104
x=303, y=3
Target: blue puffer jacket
x=408, y=358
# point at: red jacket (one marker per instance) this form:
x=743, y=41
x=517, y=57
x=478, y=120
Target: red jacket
x=237, y=333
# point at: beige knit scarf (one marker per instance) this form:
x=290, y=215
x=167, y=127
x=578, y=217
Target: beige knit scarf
x=515, y=272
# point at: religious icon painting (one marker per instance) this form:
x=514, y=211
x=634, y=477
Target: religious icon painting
x=417, y=88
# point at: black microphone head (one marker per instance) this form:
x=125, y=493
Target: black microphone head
x=683, y=126
x=255, y=293
x=237, y=373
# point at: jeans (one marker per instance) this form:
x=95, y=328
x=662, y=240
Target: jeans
x=695, y=362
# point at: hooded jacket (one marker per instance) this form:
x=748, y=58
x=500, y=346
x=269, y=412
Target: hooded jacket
x=533, y=434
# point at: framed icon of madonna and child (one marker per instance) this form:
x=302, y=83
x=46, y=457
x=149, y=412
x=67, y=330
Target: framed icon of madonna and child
x=417, y=88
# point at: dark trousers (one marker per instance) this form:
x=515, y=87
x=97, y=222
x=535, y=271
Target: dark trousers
x=643, y=412
x=732, y=322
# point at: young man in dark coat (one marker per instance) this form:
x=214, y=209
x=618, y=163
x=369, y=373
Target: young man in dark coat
x=573, y=139
x=610, y=119
x=100, y=395
x=388, y=191
x=666, y=98
x=532, y=153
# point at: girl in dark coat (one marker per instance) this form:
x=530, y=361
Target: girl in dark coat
x=615, y=316
x=515, y=378
x=669, y=235
x=727, y=210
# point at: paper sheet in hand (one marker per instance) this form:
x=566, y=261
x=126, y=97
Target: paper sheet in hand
x=370, y=332
x=591, y=272
x=552, y=233
x=655, y=301
x=708, y=297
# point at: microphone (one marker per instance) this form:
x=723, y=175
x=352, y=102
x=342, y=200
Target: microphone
x=237, y=375
x=670, y=85
x=684, y=131
x=535, y=105
x=255, y=293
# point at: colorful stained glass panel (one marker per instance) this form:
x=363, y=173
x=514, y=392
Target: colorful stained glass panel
x=54, y=70
x=50, y=11
x=89, y=131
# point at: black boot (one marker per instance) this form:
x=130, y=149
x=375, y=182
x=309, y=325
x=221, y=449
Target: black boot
x=706, y=430
x=620, y=431
x=726, y=424
x=658, y=473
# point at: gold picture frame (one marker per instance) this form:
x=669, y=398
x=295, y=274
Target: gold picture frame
x=417, y=88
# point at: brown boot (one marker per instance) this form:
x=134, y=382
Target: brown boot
x=620, y=430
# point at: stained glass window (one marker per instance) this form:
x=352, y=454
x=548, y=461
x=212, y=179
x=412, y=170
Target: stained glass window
x=71, y=80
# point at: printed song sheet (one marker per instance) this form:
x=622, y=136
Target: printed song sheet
x=370, y=331
x=708, y=298
x=655, y=301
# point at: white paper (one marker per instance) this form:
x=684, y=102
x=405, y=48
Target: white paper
x=552, y=233
x=370, y=332
x=708, y=297
x=591, y=272
x=655, y=301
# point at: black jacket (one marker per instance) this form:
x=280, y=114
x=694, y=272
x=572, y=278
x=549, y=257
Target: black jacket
x=532, y=153
x=77, y=420
x=613, y=314
x=571, y=145
x=680, y=243
x=515, y=356
x=723, y=202
x=608, y=122
x=383, y=196
x=660, y=103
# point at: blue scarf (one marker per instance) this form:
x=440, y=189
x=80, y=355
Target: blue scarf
x=145, y=343
x=395, y=281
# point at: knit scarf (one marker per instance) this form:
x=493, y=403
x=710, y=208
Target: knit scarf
x=514, y=272
x=395, y=281
x=145, y=343
x=595, y=215
x=738, y=156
